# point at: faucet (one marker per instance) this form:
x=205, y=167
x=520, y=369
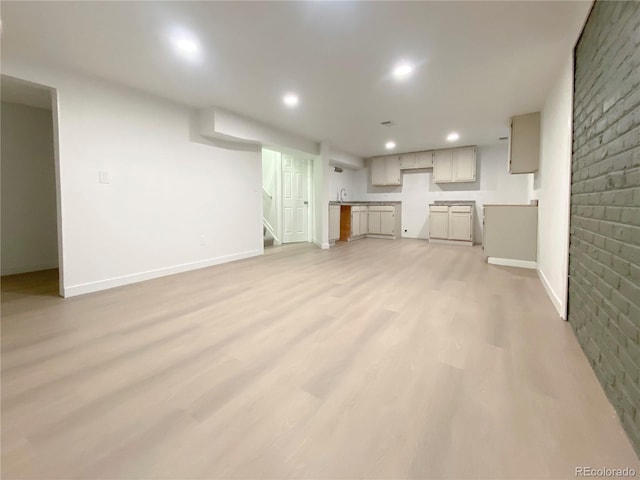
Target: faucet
x=342, y=195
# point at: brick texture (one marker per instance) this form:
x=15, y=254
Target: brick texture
x=604, y=254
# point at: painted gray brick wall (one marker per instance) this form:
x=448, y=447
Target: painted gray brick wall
x=604, y=259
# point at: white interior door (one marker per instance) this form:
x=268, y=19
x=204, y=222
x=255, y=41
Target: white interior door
x=295, y=199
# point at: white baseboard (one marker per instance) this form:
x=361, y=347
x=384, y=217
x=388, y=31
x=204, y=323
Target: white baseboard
x=555, y=299
x=318, y=244
x=96, y=286
x=508, y=262
x=451, y=242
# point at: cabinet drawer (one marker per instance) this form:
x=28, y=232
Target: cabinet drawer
x=355, y=208
x=439, y=208
x=381, y=208
x=460, y=208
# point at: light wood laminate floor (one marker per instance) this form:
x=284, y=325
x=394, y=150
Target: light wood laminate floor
x=375, y=359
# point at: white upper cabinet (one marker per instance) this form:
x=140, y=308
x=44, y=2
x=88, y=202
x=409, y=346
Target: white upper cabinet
x=386, y=170
x=464, y=164
x=410, y=161
x=378, y=176
x=424, y=160
x=407, y=161
x=450, y=165
x=392, y=170
x=443, y=166
x=454, y=165
x=524, y=143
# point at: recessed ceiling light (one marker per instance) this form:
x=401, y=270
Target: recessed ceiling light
x=403, y=71
x=187, y=46
x=290, y=100
x=452, y=137
x=390, y=145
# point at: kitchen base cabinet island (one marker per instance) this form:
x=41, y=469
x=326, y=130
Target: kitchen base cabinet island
x=354, y=220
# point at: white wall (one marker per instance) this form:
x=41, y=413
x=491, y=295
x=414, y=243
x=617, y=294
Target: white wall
x=321, y=187
x=271, y=207
x=166, y=195
x=493, y=185
x=344, y=159
x=346, y=180
x=551, y=186
x=29, y=224
x=218, y=123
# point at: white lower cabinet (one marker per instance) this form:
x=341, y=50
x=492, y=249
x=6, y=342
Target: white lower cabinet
x=382, y=220
x=364, y=220
x=439, y=222
x=355, y=221
x=451, y=223
x=334, y=222
x=460, y=223
x=374, y=222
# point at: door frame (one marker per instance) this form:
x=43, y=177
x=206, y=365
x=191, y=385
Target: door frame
x=55, y=119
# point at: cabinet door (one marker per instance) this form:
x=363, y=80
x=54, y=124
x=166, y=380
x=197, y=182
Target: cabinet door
x=407, y=161
x=524, y=143
x=443, y=166
x=355, y=223
x=374, y=222
x=387, y=223
x=439, y=223
x=464, y=165
x=460, y=225
x=378, y=169
x=424, y=159
x=334, y=222
x=392, y=170
x=364, y=220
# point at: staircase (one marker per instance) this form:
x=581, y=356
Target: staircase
x=267, y=237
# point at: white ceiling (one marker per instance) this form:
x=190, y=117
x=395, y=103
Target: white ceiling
x=479, y=62
x=13, y=90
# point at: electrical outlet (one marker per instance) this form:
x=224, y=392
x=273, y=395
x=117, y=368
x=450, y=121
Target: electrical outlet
x=203, y=241
x=103, y=176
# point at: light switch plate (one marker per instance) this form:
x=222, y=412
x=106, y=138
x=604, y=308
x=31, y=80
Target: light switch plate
x=103, y=176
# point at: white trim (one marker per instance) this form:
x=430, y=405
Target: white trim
x=267, y=225
x=267, y=193
x=555, y=299
x=160, y=272
x=318, y=244
x=451, y=242
x=508, y=262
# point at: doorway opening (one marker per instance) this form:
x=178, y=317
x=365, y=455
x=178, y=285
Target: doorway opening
x=30, y=230
x=286, y=196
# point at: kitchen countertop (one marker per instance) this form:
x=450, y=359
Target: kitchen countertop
x=454, y=202
x=363, y=203
x=510, y=205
